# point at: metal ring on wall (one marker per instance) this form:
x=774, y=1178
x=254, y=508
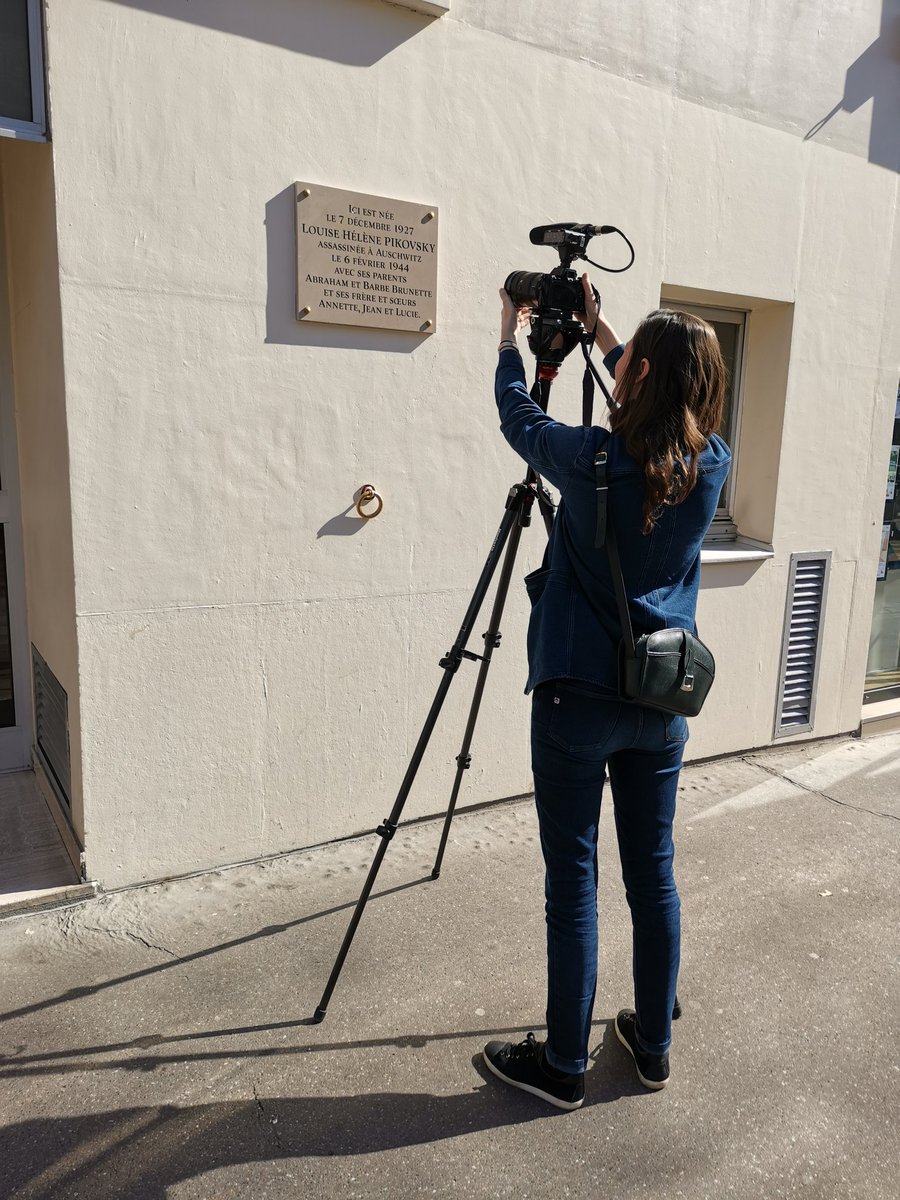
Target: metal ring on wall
x=366, y=496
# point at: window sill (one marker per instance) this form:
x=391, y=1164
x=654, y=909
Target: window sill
x=23, y=131
x=738, y=550
x=880, y=716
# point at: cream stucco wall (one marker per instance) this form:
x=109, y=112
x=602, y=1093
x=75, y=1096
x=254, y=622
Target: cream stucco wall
x=255, y=666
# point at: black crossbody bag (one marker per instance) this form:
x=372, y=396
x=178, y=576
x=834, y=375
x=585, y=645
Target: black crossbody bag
x=670, y=669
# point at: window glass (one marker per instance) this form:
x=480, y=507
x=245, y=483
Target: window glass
x=727, y=333
x=15, y=62
x=729, y=326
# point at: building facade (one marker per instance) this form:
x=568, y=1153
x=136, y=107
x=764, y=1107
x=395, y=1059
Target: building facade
x=208, y=655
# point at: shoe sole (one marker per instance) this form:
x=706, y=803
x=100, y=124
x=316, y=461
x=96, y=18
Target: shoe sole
x=653, y=1084
x=568, y=1105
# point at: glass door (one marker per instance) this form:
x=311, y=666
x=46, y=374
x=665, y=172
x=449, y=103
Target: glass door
x=883, y=667
x=15, y=667
x=7, y=687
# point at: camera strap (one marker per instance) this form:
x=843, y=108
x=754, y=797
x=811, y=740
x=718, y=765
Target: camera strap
x=591, y=374
x=587, y=382
x=587, y=398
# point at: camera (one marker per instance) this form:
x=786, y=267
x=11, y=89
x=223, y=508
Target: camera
x=555, y=296
x=557, y=291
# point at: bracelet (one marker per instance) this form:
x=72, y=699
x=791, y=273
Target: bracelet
x=508, y=344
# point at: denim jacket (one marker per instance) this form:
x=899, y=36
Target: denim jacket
x=574, y=629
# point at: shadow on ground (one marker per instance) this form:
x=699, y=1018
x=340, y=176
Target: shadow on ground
x=180, y=960
x=140, y=1153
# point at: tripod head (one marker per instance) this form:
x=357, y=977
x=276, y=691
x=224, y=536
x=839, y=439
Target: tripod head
x=553, y=336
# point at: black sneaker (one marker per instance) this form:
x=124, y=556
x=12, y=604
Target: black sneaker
x=523, y=1066
x=652, y=1069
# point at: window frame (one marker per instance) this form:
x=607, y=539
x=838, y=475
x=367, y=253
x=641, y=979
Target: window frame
x=723, y=527
x=34, y=130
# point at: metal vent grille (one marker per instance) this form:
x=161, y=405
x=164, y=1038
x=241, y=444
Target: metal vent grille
x=807, y=588
x=51, y=728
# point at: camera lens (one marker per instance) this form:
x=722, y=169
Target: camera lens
x=524, y=288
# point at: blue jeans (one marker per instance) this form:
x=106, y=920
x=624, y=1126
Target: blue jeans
x=575, y=733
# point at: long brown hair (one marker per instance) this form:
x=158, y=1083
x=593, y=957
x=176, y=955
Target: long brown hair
x=666, y=418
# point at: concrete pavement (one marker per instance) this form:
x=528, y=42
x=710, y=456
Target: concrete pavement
x=157, y=1043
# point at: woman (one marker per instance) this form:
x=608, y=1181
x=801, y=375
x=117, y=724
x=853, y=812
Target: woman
x=666, y=468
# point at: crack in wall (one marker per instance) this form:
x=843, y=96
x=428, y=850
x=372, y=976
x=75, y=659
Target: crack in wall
x=285, y=602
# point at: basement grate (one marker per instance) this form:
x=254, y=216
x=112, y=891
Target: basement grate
x=51, y=728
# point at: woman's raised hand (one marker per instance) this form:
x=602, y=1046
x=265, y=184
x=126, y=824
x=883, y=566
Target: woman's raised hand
x=512, y=319
x=591, y=314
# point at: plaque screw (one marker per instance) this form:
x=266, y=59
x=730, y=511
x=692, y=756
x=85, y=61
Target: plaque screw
x=304, y=312
x=427, y=324
x=303, y=194
x=429, y=216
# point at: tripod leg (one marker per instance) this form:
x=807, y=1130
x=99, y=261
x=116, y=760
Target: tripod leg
x=491, y=642
x=385, y=831
x=519, y=498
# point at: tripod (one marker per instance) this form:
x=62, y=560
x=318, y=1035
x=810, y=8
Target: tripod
x=519, y=502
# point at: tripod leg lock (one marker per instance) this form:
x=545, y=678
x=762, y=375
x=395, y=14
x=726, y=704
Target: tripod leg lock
x=464, y=760
x=452, y=659
x=492, y=639
x=386, y=830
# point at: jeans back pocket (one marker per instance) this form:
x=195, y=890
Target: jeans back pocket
x=577, y=719
x=676, y=727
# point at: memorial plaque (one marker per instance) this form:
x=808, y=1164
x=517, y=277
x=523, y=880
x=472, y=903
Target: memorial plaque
x=365, y=260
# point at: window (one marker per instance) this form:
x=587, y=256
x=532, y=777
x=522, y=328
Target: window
x=730, y=326
x=21, y=71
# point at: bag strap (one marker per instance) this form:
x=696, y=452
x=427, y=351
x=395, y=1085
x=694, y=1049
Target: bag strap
x=602, y=490
x=605, y=535
x=687, y=683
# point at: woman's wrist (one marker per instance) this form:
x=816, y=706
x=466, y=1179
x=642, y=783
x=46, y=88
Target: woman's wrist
x=605, y=336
